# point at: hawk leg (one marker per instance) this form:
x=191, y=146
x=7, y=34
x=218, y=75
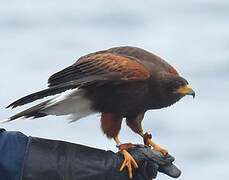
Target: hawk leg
x=135, y=124
x=147, y=141
x=128, y=159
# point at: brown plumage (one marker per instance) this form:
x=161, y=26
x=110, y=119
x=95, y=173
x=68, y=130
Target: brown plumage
x=121, y=82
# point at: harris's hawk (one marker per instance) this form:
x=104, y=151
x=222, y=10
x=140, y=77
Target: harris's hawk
x=121, y=82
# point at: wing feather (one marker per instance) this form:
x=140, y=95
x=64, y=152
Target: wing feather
x=98, y=64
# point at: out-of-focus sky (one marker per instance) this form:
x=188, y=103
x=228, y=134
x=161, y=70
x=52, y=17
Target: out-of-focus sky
x=38, y=38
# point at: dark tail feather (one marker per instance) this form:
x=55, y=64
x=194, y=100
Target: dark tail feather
x=44, y=93
x=33, y=112
x=36, y=96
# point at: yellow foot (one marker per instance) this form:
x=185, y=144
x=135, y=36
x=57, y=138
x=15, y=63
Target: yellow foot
x=128, y=160
x=157, y=148
x=147, y=141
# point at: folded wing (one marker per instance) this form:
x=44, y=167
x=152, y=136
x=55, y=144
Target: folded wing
x=126, y=68
x=97, y=68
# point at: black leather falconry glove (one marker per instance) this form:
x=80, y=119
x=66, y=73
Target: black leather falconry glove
x=57, y=160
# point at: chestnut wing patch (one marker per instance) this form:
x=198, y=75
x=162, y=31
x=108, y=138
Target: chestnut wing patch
x=114, y=67
x=173, y=70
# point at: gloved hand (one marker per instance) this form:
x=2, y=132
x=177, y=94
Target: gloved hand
x=151, y=161
x=58, y=160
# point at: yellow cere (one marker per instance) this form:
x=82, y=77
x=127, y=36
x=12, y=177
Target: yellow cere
x=184, y=89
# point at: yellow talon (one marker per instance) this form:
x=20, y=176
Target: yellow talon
x=128, y=160
x=157, y=148
x=147, y=141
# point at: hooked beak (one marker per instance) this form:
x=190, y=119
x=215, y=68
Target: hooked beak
x=186, y=90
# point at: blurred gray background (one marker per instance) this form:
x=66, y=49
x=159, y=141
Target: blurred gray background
x=38, y=38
